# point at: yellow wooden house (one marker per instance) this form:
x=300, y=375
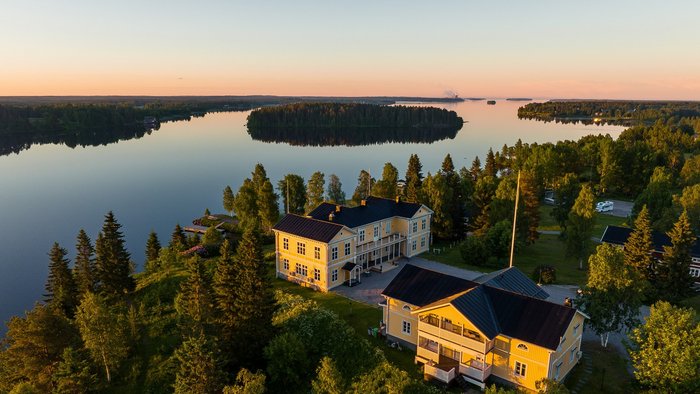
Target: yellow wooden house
x=498, y=327
x=335, y=244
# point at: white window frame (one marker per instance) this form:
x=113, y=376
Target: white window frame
x=557, y=370
x=414, y=226
x=376, y=232
x=388, y=227
x=413, y=245
x=301, y=248
x=285, y=243
x=406, y=327
x=423, y=224
x=576, y=327
x=317, y=274
x=347, y=248
x=334, y=276
x=520, y=369
x=285, y=264
x=317, y=252
x=334, y=253
x=573, y=354
x=362, y=235
x=302, y=269
x=422, y=242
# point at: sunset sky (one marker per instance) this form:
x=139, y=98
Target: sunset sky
x=585, y=49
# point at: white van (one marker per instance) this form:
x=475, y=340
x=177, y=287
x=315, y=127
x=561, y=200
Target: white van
x=604, y=206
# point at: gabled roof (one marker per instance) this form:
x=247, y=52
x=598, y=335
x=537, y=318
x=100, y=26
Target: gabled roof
x=420, y=287
x=512, y=279
x=375, y=209
x=491, y=306
x=308, y=228
x=618, y=235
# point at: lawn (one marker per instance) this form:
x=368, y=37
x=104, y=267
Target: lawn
x=609, y=373
x=359, y=316
x=547, y=222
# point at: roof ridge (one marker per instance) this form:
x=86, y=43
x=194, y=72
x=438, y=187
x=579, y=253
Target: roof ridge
x=492, y=313
x=525, y=295
x=314, y=219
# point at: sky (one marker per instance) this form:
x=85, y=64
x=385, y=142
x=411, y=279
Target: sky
x=538, y=48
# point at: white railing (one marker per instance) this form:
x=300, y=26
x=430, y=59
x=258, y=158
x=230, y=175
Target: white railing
x=439, y=374
x=476, y=369
x=386, y=241
x=449, y=335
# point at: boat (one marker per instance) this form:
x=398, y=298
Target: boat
x=491, y=102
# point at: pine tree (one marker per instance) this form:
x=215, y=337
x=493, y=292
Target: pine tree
x=84, y=270
x=490, y=168
x=268, y=206
x=224, y=287
x=152, y=247
x=414, y=179
x=455, y=206
x=674, y=269
x=336, y=195
x=364, y=183
x=639, y=246
x=178, y=239
x=387, y=186
x=292, y=185
x=315, y=191
x=194, y=302
x=112, y=260
x=74, y=374
x=580, y=226
x=199, y=369
x=475, y=169
x=228, y=199
x=60, y=287
x=258, y=177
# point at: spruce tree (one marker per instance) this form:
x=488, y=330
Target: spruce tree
x=178, y=239
x=674, y=269
x=387, y=186
x=84, y=270
x=152, y=247
x=414, y=179
x=112, y=260
x=194, y=302
x=336, y=195
x=228, y=199
x=639, y=246
x=199, y=369
x=246, y=205
x=490, y=168
x=60, y=287
x=364, y=184
x=580, y=226
x=258, y=177
x=73, y=374
x=315, y=190
x=475, y=169
x=268, y=206
x=292, y=187
x=224, y=287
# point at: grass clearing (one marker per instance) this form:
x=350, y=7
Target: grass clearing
x=609, y=373
x=547, y=222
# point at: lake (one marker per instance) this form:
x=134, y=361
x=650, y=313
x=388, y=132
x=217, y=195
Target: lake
x=49, y=192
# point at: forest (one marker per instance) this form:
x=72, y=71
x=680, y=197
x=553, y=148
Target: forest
x=351, y=136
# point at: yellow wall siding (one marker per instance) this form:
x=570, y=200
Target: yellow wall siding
x=449, y=312
x=506, y=354
x=571, y=342
x=396, y=316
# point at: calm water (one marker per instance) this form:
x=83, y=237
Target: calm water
x=49, y=192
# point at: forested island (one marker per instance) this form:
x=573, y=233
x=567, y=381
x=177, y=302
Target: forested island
x=609, y=111
x=349, y=124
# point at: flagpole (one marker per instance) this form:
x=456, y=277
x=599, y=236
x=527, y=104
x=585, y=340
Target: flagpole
x=515, y=218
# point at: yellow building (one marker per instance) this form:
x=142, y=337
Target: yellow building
x=497, y=327
x=334, y=244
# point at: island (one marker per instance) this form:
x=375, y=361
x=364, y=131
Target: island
x=351, y=124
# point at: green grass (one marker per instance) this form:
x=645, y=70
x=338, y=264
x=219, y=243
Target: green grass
x=359, y=316
x=547, y=222
x=609, y=374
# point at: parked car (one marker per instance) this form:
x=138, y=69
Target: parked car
x=604, y=206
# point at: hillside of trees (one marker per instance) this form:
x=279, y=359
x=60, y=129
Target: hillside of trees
x=611, y=111
x=351, y=124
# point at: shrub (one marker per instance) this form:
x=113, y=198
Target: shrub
x=473, y=251
x=544, y=274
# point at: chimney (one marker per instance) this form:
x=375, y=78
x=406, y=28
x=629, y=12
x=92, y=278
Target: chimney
x=330, y=217
x=337, y=208
x=363, y=202
x=567, y=302
x=398, y=199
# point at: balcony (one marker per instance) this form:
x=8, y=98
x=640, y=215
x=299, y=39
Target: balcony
x=443, y=375
x=476, y=370
x=452, y=332
x=382, y=242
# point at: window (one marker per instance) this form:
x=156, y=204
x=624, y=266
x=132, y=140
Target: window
x=334, y=253
x=285, y=243
x=362, y=235
x=563, y=339
x=413, y=245
x=285, y=264
x=301, y=248
x=388, y=227
x=556, y=371
x=317, y=274
x=576, y=328
x=423, y=223
x=347, y=248
x=376, y=232
x=573, y=354
x=334, y=276
x=422, y=242
x=406, y=328
x=522, y=346
x=415, y=227
x=317, y=252
x=695, y=272
x=302, y=270
x=520, y=369
x=406, y=307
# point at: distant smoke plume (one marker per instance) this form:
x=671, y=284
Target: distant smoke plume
x=451, y=93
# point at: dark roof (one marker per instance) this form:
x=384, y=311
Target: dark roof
x=420, y=287
x=490, y=305
x=349, y=266
x=530, y=319
x=618, y=235
x=308, y=228
x=514, y=280
x=375, y=209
